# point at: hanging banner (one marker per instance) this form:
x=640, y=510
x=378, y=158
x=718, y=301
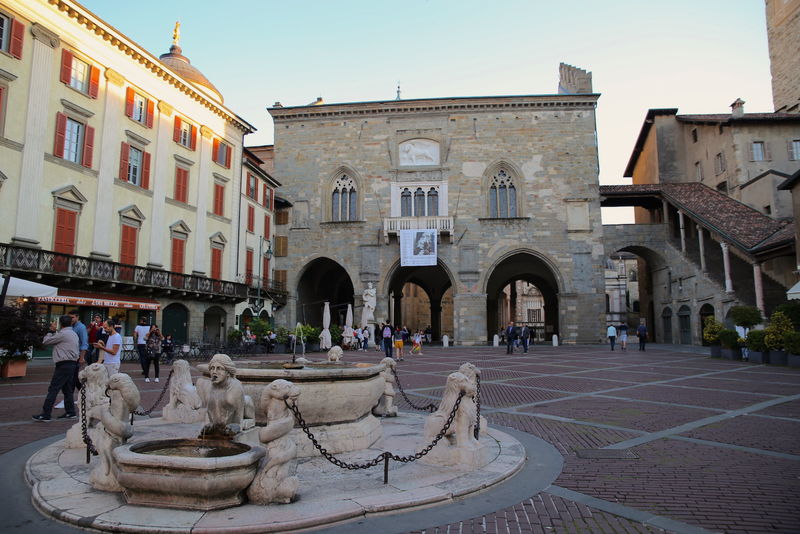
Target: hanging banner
x=417, y=247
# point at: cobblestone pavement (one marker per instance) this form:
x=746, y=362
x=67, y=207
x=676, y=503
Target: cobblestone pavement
x=716, y=443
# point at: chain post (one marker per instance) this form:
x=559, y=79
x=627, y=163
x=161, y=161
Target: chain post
x=386, y=456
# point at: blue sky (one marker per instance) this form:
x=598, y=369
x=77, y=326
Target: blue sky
x=698, y=56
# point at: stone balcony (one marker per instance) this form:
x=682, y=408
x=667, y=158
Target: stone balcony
x=393, y=225
x=80, y=272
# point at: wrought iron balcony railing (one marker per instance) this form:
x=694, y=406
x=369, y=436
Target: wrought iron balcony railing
x=393, y=225
x=24, y=262
x=260, y=287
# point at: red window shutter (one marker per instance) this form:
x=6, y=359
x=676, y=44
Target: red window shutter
x=216, y=263
x=146, y=171
x=251, y=218
x=228, y=156
x=265, y=200
x=88, y=147
x=267, y=227
x=181, y=184
x=127, y=254
x=219, y=199
x=150, y=113
x=61, y=134
x=17, y=39
x=272, y=200
x=176, y=130
x=66, y=66
x=123, y=161
x=215, y=152
x=194, y=137
x=248, y=268
x=94, y=82
x=66, y=220
x=129, y=93
x=265, y=272
x=177, y=255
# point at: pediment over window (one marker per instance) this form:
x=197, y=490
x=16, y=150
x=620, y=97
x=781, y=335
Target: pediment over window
x=132, y=212
x=218, y=239
x=418, y=153
x=69, y=197
x=179, y=227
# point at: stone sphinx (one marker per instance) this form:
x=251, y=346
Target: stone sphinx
x=185, y=405
x=94, y=379
x=385, y=406
x=473, y=373
x=223, y=397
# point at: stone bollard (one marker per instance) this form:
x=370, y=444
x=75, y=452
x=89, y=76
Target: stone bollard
x=496, y=341
x=445, y=341
x=555, y=340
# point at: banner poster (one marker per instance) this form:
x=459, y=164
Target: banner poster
x=417, y=247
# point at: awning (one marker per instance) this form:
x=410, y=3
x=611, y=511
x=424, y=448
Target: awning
x=17, y=287
x=75, y=298
x=794, y=292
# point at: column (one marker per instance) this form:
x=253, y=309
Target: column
x=665, y=213
x=233, y=209
x=36, y=120
x=759, y=286
x=436, y=320
x=109, y=146
x=163, y=170
x=201, y=247
x=726, y=260
x=398, y=309
x=683, y=231
x=701, y=242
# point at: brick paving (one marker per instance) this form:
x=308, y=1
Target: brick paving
x=710, y=466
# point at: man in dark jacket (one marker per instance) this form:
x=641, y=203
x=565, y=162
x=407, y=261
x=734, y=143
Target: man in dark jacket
x=511, y=336
x=65, y=356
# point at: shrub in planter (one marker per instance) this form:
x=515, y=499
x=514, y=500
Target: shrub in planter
x=791, y=344
x=746, y=316
x=20, y=331
x=779, y=326
x=758, y=349
x=791, y=309
x=711, y=331
x=729, y=339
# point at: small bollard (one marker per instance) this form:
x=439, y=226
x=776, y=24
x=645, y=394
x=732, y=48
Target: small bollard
x=445, y=341
x=555, y=340
x=496, y=341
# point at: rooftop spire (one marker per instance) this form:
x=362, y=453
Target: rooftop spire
x=176, y=34
x=398, y=90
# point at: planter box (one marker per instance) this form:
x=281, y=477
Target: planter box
x=777, y=357
x=759, y=357
x=793, y=360
x=732, y=354
x=14, y=368
x=716, y=351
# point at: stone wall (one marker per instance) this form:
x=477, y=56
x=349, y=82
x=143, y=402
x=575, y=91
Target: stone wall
x=783, y=34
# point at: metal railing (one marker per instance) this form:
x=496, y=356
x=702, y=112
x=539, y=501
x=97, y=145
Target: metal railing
x=393, y=225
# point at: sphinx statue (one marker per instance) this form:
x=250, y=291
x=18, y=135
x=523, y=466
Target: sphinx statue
x=228, y=409
x=275, y=481
x=115, y=428
x=94, y=379
x=385, y=406
x=185, y=405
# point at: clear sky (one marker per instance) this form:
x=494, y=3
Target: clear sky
x=695, y=55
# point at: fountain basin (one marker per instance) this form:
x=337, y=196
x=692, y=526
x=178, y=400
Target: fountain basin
x=191, y=474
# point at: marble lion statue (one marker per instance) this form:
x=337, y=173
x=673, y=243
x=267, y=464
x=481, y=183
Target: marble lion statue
x=470, y=371
x=460, y=433
x=385, y=406
x=184, y=404
x=275, y=481
x=115, y=419
x=94, y=378
x=335, y=354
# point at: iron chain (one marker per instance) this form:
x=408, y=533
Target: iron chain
x=90, y=448
x=427, y=408
x=478, y=405
x=158, y=401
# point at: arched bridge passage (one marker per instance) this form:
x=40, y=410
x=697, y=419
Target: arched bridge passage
x=640, y=239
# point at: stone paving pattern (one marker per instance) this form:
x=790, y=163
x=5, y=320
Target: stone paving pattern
x=736, y=472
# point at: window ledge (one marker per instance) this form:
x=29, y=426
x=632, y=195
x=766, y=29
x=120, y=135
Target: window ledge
x=502, y=219
x=4, y=141
x=220, y=218
x=179, y=204
x=70, y=165
x=343, y=223
x=128, y=185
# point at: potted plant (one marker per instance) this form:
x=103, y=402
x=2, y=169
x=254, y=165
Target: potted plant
x=791, y=309
x=746, y=316
x=20, y=332
x=791, y=343
x=729, y=339
x=779, y=326
x=711, y=332
x=758, y=349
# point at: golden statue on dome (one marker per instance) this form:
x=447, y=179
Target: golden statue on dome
x=176, y=34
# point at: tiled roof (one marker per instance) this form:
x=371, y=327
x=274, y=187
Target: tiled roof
x=725, y=117
x=748, y=228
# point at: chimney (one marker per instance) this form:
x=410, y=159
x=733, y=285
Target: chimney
x=573, y=80
x=737, y=108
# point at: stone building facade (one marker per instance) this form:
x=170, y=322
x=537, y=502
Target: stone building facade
x=783, y=35
x=510, y=184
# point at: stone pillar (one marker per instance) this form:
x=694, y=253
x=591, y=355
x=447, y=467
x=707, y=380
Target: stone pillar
x=164, y=169
x=683, y=231
x=109, y=166
x=469, y=319
x=37, y=116
x=665, y=213
x=398, y=309
x=726, y=260
x=436, y=319
x=512, y=303
x=759, y=286
x=204, y=179
x=701, y=242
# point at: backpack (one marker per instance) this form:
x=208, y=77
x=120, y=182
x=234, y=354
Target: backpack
x=387, y=332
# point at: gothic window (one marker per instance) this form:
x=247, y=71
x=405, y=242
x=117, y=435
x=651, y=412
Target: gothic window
x=419, y=202
x=502, y=196
x=433, y=202
x=405, y=203
x=344, y=199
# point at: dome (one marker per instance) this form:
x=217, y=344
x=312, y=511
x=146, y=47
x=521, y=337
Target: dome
x=181, y=65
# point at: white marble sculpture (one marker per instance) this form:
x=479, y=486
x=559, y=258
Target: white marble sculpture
x=385, y=406
x=419, y=152
x=370, y=301
x=459, y=446
x=94, y=378
x=325, y=341
x=335, y=354
x=116, y=428
x=472, y=372
x=184, y=404
x=223, y=397
x=275, y=481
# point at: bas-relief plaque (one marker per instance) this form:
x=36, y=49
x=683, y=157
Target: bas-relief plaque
x=418, y=152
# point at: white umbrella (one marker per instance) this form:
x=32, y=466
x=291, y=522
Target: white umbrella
x=325, y=336
x=347, y=335
x=18, y=287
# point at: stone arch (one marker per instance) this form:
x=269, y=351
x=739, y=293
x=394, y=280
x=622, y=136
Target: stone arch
x=546, y=259
x=514, y=173
x=323, y=279
x=331, y=183
x=666, y=325
x=706, y=310
x=175, y=322
x=685, y=325
x=214, y=325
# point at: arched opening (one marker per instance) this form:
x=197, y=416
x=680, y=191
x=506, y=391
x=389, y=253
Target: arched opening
x=323, y=280
x=420, y=297
x=685, y=325
x=214, y=325
x=245, y=318
x=706, y=310
x=524, y=289
x=175, y=319
x=666, y=324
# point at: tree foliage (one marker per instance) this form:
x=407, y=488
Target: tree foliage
x=20, y=329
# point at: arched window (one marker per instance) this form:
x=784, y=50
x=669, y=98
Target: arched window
x=344, y=199
x=502, y=196
x=433, y=202
x=419, y=202
x=405, y=203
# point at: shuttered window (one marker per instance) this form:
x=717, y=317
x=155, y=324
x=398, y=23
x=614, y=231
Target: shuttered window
x=219, y=200
x=139, y=108
x=64, y=235
x=12, y=35
x=281, y=246
x=248, y=267
x=184, y=133
x=178, y=250
x=74, y=141
x=216, y=263
x=265, y=275
x=128, y=241
x=221, y=153
x=134, y=166
x=79, y=74
x=251, y=219
x=279, y=276
x=267, y=228
x=181, y=184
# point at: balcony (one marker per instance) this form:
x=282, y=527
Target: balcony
x=393, y=225
x=69, y=271
x=265, y=288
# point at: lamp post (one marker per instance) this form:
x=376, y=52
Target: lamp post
x=261, y=275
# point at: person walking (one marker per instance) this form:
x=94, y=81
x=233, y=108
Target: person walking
x=397, y=340
x=167, y=347
x=154, y=339
x=386, y=333
x=611, y=332
x=95, y=328
x=140, y=337
x=83, y=342
x=642, y=333
x=510, y=337
x=65, y=357
x=109, y=350
x=525, y=337
x=622, y=330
